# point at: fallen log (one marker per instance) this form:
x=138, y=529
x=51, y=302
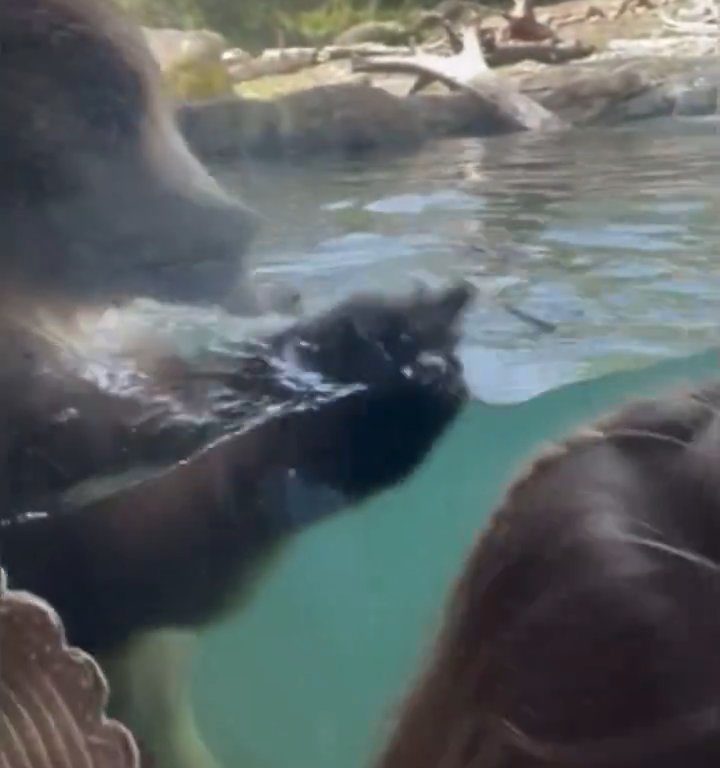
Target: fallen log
x=468, y=72
x=503, y=54
x=453, y=71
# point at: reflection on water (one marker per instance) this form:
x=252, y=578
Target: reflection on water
x=610, y=235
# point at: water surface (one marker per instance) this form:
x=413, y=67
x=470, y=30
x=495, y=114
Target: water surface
x=610, y=235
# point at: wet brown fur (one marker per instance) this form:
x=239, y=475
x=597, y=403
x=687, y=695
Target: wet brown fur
x=584, y=629
x=101, y=202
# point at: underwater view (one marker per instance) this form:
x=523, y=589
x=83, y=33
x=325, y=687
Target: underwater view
x=359, y=390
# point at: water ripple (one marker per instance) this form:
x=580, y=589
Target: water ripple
x=612, y=235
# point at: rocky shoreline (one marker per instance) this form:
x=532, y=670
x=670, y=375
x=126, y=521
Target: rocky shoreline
x=331, y=108
x=350, y=118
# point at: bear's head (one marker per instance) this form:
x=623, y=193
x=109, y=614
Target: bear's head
x=100, y=197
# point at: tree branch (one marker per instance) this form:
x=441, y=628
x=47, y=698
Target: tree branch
x=468, y=72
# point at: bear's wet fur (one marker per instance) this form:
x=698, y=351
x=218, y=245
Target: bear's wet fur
x=583, y=629
x=102, y=202
x=224, y=450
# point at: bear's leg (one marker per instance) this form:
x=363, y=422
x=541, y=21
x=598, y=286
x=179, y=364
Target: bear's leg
x=149, y=681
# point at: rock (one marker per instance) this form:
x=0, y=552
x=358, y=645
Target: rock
x=458, y=114
x=332, y=114
x=657, y=101
x=582, y=95
x=338, y=118
x=211, y=129
x=346, y=118
x=696, y=100
x=235, y=56
x=53, y=698
x=386, y=32
x=175, y=47
x=200, y=81
x=191, y=62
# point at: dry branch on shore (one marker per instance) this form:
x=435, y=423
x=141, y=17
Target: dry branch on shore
x=467, y=71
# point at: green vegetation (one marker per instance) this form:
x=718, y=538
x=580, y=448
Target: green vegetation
x=254, y=24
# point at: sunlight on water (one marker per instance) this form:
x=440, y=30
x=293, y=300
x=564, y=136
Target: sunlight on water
x=611, y=236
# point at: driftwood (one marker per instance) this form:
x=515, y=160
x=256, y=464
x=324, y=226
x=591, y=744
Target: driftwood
x=525, y=39
x=453, y=71
x=274, y=61
x=547, y=53
x=468, y=72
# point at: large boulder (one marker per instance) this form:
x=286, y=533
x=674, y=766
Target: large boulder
x=191, y=62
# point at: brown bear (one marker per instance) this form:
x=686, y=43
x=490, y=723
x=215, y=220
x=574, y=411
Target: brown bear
x=99, y=192
x=584, y=628
x=142, y=491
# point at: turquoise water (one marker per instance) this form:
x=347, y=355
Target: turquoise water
x=611, y=236
x=306, y=675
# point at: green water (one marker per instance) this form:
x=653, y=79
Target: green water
x=611, y=235
x=307, y=674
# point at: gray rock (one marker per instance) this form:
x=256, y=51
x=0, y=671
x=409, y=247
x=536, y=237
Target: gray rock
x=658, y=101
x=211, y=128
x=175, y=47
x=696, y=100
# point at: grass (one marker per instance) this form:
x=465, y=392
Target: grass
x=257, y=25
